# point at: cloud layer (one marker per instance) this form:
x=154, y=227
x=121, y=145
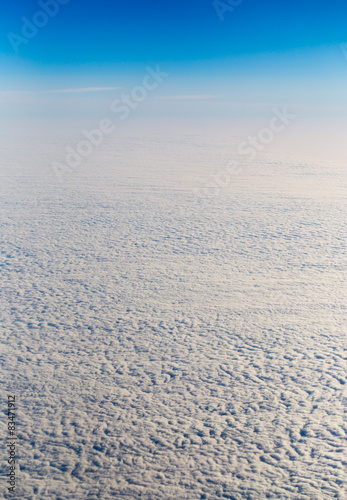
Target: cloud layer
x=162, y=349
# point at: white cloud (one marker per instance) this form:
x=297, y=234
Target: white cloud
x=162, y=350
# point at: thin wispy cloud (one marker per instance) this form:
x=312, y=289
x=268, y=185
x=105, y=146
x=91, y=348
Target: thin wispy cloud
x=193, y=97
x=85, y=89
x=15, y=92
x=58, y=91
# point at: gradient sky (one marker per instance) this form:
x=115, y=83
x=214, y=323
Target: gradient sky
x=263, y=54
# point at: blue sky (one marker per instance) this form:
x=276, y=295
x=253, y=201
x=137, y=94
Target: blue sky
x=262, y=54
x=112, y=32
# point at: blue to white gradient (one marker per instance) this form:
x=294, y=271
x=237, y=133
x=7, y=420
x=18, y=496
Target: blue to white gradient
x=260, y=55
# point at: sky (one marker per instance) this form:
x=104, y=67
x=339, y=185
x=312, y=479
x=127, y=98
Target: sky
x=225, y=60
